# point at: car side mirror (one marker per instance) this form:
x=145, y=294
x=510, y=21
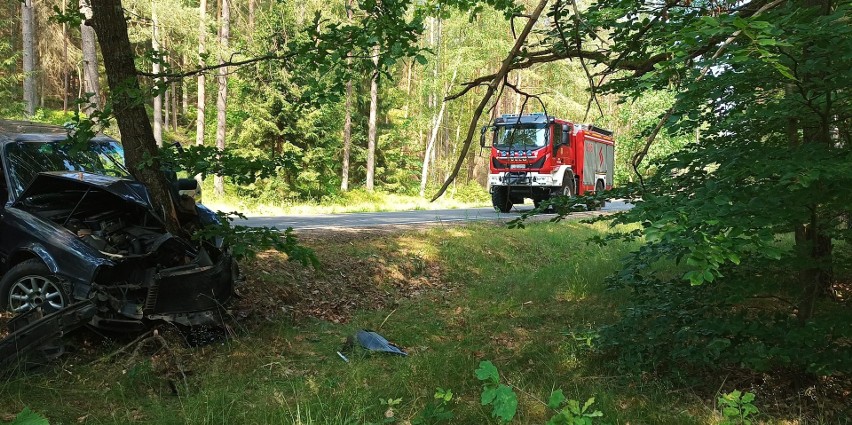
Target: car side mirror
x=482, y=136
x=189, y=187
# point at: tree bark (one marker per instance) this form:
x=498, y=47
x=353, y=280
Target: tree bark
x=813, y=243
x=28, y=34
x=222, y=96
x=64, y=60
x=91, y=74
x=199, y=115
x=430, y=146
x=140, y=148
x=347, y=122
x=371, y=132
x=155, y=67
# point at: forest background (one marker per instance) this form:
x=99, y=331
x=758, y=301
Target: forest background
x=271, y=113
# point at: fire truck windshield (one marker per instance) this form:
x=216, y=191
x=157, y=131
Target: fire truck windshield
x=520, y=137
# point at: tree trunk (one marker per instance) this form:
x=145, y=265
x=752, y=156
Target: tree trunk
x=430, y=146
x=184, y=88
x=371, y=132
x=174, y=106
x=91, y=82
x=813, y=243
x=199, y=115
x=158, y=99
x=64, y=59
x=222, y=97
x=347, y=123
x=251, y=7
x=28, y=33
x=141, y=156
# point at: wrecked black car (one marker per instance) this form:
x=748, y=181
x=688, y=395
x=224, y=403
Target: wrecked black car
x=75, y=227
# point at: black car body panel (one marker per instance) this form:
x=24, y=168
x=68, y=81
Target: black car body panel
x=100, y=236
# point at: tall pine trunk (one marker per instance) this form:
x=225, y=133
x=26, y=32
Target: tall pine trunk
x=158, y=99
x=371, y=131
x=222, y=96
x=347, y=122
x=91, y=75
x=199, y=115
x=28, y=33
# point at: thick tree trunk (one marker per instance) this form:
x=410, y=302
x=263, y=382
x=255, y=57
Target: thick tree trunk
x=813, y=243
x=91, y=82
x=347, y=122
x=158, y=99
x=222, y=96
x=137, y=136
x=371, y=132
x=28, y=33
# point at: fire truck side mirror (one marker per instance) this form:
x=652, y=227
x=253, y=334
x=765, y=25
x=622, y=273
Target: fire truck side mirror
x=566, y=134
x=482, y=136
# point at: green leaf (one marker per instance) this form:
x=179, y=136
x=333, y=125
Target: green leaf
x=588, y=403
x=487, y=372
x=556, y=399
x=505, y=403
x=28, y=417
x=488, y=395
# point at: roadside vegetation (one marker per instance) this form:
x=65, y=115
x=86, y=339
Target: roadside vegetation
x=254, y=201
x=534, y=302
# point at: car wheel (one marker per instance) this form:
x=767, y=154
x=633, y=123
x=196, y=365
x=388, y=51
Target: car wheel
x=30, y=284
x=500, y=199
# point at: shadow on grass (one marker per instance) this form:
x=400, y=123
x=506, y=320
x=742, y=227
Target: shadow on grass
x=528, y=300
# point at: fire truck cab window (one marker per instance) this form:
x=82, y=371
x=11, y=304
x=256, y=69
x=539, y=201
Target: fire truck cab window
x=521, y=137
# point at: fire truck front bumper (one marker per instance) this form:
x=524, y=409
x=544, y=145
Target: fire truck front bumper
x=532, y=179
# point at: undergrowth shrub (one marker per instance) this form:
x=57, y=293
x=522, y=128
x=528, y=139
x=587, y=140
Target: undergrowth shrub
x=736, y=322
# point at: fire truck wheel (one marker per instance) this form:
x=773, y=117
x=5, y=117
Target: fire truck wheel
x=500, y=199
x=600, y=188
x=567, y=185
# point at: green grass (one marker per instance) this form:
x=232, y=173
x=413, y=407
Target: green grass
x=515, y=297
x=356, y=200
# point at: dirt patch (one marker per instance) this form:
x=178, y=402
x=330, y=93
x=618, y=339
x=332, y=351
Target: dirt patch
x=360, y=270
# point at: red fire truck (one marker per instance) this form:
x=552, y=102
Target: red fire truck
x=537, y=156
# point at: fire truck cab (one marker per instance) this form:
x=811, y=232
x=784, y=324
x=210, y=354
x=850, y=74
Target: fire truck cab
x=537, y=156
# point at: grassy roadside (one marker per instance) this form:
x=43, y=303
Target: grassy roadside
x=357, y=200
x=451, y=296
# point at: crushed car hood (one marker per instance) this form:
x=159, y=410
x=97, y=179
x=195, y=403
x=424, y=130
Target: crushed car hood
x=56, y=181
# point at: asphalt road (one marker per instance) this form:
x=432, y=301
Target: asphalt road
x=379, y=219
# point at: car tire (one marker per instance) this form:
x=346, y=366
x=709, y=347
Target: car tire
x=500, y=199
x=30, y=284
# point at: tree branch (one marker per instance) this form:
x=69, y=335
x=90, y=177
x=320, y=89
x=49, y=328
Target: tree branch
x=495, y=82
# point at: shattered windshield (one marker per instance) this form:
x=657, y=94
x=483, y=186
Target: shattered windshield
x=27, y=159
x=520, y=137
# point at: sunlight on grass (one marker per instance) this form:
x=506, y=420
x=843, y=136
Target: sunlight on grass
x=528, y=300
x=354, y=201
